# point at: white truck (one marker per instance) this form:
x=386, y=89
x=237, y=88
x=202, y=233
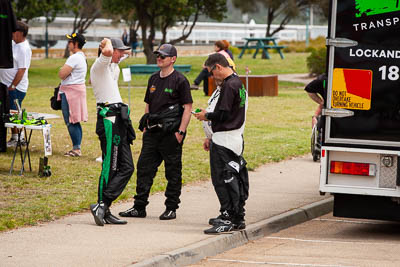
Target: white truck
x=361, y=133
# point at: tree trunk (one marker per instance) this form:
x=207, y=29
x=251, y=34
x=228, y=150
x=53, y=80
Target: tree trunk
x=148, y=51
x=164, y=32
x=270, y=19
x=66, y=52
x=186, y=35
x=147, y=45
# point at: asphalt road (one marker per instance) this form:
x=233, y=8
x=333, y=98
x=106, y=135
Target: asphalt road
x=324, y=242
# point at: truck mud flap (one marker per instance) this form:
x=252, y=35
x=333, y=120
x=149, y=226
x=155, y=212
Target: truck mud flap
x=366, y=207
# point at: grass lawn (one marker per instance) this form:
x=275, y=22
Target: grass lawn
x=276, y=128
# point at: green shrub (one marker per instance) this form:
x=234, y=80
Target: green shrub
x=300, y=46
x=316, y=62
x=234, y=50
x=250, y=51
x=310, y=49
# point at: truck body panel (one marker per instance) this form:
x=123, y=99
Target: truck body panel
x=361, y=143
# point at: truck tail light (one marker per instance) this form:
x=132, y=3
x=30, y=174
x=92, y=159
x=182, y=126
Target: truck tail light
x=353, y=168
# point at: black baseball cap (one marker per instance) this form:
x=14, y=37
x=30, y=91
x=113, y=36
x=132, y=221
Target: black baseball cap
x=118, y=44
x=77, y=37
x=167, y=50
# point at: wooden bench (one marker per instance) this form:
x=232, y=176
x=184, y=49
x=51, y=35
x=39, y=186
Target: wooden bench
x=151, y=68
x=259, y=85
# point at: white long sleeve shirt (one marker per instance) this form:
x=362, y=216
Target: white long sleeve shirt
x=104, y=78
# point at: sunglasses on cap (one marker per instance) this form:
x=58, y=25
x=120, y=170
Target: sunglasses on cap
x=161, y=56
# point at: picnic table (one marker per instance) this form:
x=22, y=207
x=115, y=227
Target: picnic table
x=263, y=43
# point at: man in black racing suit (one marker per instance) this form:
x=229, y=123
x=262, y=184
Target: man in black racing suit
x=227, y=114
x=167, y=115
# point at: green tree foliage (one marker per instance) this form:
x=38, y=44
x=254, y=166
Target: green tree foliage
x=30, y=9
x=277, y=11
x=85, y=12
x=188, y=14
x=323, y=6
x=160, y=14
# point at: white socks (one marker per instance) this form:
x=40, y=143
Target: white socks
x=15, y=136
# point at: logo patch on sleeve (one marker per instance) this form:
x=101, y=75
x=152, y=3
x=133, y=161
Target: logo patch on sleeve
x=234, y=165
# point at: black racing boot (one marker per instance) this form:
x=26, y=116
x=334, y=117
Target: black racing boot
x=133, y=212
x=222, y=217
x=168, y=215
x=238, y=222
x=237, y=226
x=224, y=227
x=111, y=219
x=98, y=211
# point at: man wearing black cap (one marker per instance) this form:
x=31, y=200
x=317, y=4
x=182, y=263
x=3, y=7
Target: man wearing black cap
x=167, y=115
x=7, y=27
x=114, y=129
x=16, y=78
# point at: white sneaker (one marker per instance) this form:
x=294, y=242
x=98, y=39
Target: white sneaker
x=12, y=143
x=23, y=142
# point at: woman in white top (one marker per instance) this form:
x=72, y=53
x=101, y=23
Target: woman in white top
x=73, y=92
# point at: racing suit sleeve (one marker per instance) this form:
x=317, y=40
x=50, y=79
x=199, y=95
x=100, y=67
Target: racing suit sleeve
x=220, y=116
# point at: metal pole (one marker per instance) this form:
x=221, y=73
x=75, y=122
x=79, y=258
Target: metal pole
x=247, y=78
x=129, y=93
x=307, y=27
x=46, y=40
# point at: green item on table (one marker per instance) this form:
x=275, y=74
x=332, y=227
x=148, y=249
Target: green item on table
x=24, y=114
x=38, y=121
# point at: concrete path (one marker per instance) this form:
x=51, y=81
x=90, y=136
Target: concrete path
x=76, y=241
x=296, y=77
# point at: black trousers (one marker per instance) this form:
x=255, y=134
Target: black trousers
x=203, y=76
x=117, y=167
x=230, y=180
x=158, y=147
x=4, y=109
